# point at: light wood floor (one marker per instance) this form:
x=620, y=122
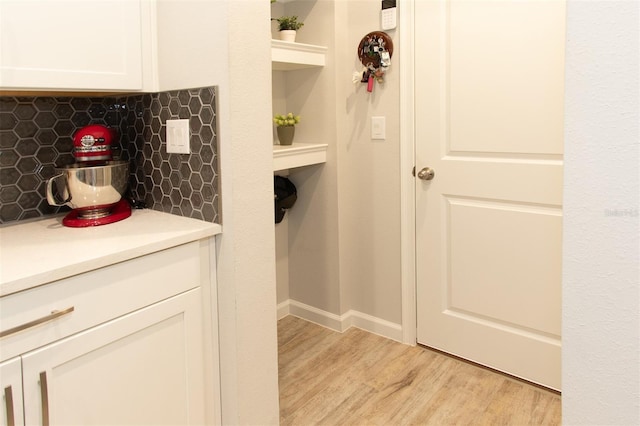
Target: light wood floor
x=358, y=378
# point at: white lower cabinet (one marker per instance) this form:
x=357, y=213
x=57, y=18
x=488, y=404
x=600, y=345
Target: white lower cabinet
x=11, y=384
x=143, y=368
x=131, y=347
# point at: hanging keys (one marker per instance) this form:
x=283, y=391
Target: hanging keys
x=375, y=51
x=385, y=59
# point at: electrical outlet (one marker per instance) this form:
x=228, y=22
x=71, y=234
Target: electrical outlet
x=178, y=137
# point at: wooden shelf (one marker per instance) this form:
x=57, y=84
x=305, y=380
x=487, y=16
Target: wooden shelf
x=286, y=56
x=298, y=155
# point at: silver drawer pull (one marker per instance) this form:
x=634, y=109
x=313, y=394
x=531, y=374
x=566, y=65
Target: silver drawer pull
x=44, y=398
x=53, y=315
x=8, y=398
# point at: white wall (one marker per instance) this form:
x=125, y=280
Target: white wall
x=226, y=31
x=279, y=106
x=601, y=298
x=246, y=271
x=369, y=176
x=344, y=231
x=313, y=221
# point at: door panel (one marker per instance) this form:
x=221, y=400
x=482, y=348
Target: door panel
x=498, y=52
x=494, y=244
x=489, y=108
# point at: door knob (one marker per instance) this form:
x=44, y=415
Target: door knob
x=426, y=173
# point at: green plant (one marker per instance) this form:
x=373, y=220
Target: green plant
x=289, y=23
x=286, y=120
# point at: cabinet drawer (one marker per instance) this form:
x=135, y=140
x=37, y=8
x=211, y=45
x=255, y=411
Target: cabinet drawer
x=96, y=297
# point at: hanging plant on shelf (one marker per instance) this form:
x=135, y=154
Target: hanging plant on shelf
x=288, y=26
x=286, y=127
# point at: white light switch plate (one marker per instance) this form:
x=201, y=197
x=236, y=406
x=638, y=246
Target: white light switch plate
x=178, y=137
x=378, y=126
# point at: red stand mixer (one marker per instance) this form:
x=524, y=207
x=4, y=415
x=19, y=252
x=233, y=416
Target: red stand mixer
x=93, y=186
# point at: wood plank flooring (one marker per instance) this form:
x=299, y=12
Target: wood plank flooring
x=358, y=378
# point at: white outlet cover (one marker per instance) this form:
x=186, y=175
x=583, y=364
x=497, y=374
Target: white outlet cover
x=178, y=137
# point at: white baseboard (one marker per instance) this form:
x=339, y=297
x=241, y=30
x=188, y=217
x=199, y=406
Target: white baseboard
x=283, y=309
x=342, y=322
x=376, y=325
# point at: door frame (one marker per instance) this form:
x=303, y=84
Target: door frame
x=407, y=180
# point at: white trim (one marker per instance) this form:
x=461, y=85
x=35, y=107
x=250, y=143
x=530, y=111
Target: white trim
x=287, y=55
x=341, y=323
x=315, y=315
x=374, y=325
x=407, y=181
x=213, y=351
x=283, y=309
x=298, y=155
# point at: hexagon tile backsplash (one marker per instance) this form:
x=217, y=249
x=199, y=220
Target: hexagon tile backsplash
x=36, y=136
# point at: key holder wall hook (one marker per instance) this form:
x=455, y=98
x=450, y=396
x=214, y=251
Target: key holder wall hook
x=375, y=51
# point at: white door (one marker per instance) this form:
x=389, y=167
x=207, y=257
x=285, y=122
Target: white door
x=489, y=122
x=144, y=368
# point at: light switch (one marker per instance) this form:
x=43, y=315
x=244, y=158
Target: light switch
x=378, y=128
x=178, y=137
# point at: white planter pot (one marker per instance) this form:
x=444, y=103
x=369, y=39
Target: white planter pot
x=288, y=35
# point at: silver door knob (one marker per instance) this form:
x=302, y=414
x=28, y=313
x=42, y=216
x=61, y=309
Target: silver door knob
x=426, y=173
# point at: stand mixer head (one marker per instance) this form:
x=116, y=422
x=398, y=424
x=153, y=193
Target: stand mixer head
x=93, y=143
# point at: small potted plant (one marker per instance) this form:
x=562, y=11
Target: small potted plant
x=286, y=127
x=288, y=25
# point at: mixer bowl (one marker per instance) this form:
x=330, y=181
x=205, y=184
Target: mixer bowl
x=91, y=188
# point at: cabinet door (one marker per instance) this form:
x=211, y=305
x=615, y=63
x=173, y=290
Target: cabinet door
x=11, y=388
x=70, y=44
x=142, y=368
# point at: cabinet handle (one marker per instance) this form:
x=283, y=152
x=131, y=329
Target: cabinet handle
x=53, y=315
x=8, y=398
x=44, y=397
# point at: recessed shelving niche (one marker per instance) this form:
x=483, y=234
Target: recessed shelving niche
x=288, y=56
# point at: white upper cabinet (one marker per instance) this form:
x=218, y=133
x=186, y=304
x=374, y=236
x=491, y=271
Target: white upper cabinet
x=71, y=44
x=189, y=41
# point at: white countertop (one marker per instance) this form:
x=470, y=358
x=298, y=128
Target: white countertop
x=38, y=252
